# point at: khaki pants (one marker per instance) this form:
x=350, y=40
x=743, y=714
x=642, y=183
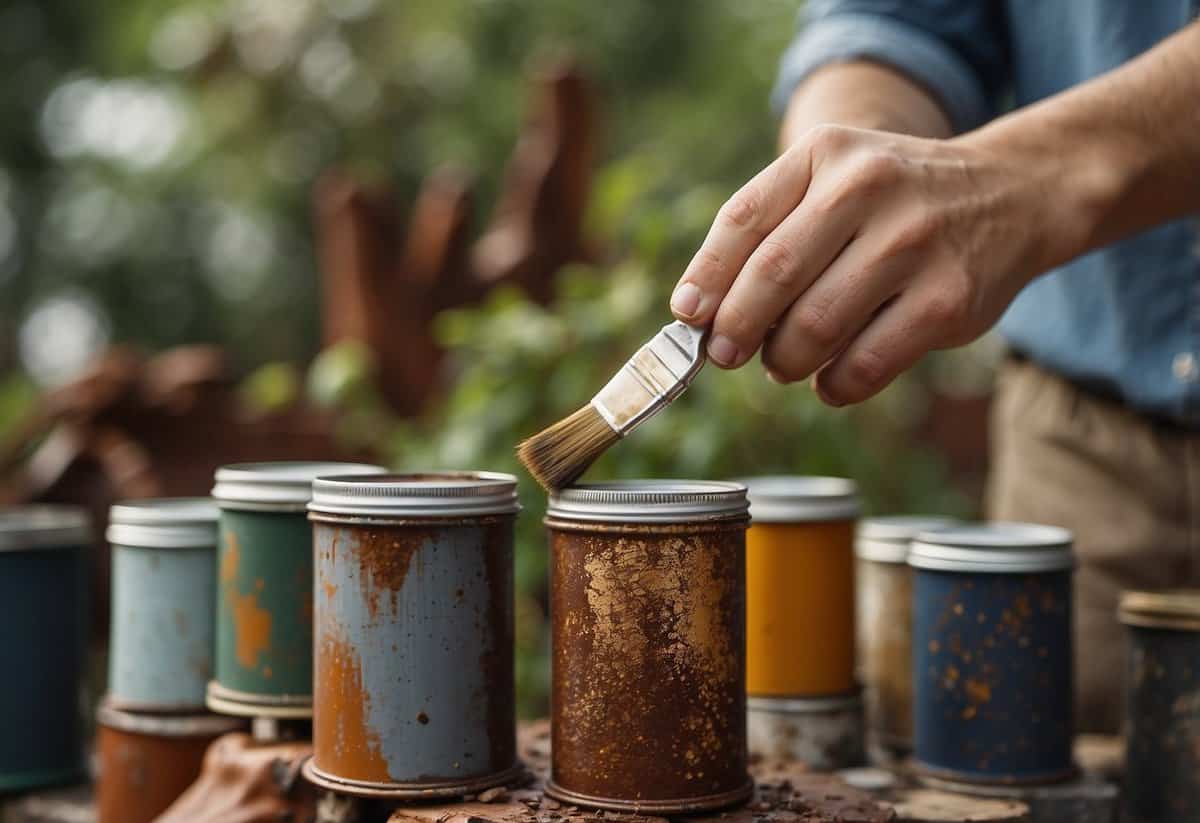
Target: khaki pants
x=1127, y=487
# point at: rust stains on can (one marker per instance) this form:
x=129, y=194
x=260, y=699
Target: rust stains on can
x=648, y=634
x=414, y=692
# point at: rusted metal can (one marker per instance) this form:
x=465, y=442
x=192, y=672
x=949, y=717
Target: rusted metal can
x=163, y=590
x=414, y=691
x=823, y=733
x=648, y=609
x=992, y=653
x=1162, y=729
x=800, y=587
x=43, y=589
x=263, y=648
x=883, y=622
x=146, y=760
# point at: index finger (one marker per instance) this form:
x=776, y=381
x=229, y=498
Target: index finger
x=740, y=226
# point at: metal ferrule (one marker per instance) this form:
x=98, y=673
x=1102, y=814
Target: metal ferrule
x=652, y=378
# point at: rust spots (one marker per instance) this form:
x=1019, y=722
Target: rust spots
x=230, y=558
x=330, y=589
x=384, y=555
x=423, y=718
x=252, y=628
x=344, y=742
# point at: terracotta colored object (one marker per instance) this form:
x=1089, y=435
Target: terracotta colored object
x=647, y=605
x=147, y=761
x=414, y=693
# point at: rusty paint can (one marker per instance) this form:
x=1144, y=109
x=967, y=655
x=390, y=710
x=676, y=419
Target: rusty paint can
x=800, y=586
x=883, y=621
x=163, y=590
x=43, y=589
x=992, y=653
x=414, y=691
x=147, y=760
x=823, y=733
x=648, y=609
x=263, y=645
x=1162, y=734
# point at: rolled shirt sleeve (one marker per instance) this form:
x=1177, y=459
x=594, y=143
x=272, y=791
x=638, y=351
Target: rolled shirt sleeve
x=954, y=48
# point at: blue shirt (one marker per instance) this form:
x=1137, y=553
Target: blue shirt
x=1124, y=320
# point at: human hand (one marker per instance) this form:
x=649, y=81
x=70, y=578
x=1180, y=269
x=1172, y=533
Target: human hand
x=856, y=252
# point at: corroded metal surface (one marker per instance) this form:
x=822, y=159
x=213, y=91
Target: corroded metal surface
x=992, y=676
x=414, y=669
x=264, y=614
x=822, y=733
x=1162, y=761
x=146, y=762
x=648, y=676
x=161, y=647
x=884, y=627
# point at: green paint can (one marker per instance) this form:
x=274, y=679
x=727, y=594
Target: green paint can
x=264, y=636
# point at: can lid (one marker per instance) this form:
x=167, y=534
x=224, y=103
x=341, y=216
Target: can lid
x=886, y=539
x=1171, y=609
x=158, y=725
x=993, y=547
x=163, y=523
x=798, y=499
x=43, y=526
x=419, y=494
x=650, y=501
x=279, y=486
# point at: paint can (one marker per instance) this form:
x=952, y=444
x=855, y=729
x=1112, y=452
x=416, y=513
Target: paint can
x=414, y=691
x=43, y=586
x=823, y=733
x=647, y=609
x=146, y=760
x=992, y=653
x=883, y=621
x=163, y=594
x=263, y=649
x=1162, y=728
x=800, y=586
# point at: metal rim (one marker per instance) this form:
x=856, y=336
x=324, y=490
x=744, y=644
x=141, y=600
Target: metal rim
x=417, y=494
x=165, y=725
x=142, y=707
x=44, y=526
x=284, y=485
x=223, y=700
x=649, y=501
x=851, y=702
x=994, y=547
x=801, y=498
x=704, y=803
x=886, y=539
x=163, y=523
x=984, y=785
x=412, y=791
x=1177, y=609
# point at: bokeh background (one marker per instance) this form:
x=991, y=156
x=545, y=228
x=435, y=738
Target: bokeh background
x=415, y=231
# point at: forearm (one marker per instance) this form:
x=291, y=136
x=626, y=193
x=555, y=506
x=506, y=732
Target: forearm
x=1116, y=155
x=864, y=95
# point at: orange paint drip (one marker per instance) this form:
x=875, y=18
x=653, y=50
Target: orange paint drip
x=252, y=626
x=230, y=558
x=343, y=742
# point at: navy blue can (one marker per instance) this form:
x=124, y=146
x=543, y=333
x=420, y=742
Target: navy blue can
x=43, y=589
x=992, y=662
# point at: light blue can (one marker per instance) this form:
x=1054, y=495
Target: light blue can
x=163, y=594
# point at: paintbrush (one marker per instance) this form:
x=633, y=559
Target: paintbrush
x=651, y=379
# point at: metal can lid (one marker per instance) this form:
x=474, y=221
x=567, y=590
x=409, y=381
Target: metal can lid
x=419, y=494
x=801, y=499
x=279, y=486
x=159, y=725
x=163, y=523
x=650, y=501
x=43, y=526
x=993, y=547
x=886, y=539
x=1170, y=609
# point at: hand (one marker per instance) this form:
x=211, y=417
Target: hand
x=856, y=252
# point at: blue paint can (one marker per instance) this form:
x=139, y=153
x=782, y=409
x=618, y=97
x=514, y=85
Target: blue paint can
x=43, y=586
x=163, y=600
x=992, y=679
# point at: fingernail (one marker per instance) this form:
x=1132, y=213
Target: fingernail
x=723, y=350
x=686, y=299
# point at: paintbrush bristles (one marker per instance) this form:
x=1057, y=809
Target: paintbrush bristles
x=557, y=456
